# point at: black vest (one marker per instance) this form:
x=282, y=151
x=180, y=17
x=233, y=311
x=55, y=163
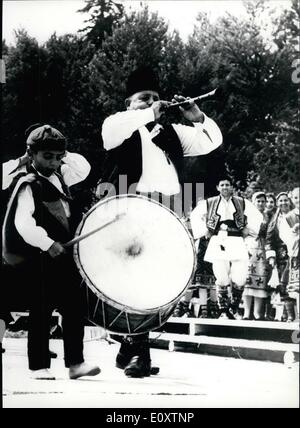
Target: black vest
x=213, y=218
x=49, y=214
x=126, y=159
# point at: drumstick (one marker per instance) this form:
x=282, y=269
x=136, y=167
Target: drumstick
x=86, y=235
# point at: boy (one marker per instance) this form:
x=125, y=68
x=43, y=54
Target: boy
x=37, y=221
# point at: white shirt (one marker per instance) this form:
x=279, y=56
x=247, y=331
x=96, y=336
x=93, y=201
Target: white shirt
x=287, y=236
x=74, y=170
x=226, y=209
x=158, y=174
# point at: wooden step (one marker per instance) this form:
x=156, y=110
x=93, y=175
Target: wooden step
x=259, y=340
x=229, y=347
x=255, y=330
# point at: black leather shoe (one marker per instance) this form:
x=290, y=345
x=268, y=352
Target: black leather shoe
x=138, y=367
x=120, y=365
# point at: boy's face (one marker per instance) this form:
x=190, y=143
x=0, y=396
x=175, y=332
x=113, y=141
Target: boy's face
x=260, y=203
x=141, y=100
x=225, y=188
x=47, y=161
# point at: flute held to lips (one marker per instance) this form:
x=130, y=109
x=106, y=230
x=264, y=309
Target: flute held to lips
x=186, y=102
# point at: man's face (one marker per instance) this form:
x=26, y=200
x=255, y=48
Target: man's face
x=47, y=161
x=142, y=100
x=283, y=204
x=225, y=188
x=260, y=203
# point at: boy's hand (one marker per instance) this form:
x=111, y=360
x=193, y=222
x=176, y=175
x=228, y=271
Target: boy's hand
x=56, y=250
x=190, y=110
x=23, y=160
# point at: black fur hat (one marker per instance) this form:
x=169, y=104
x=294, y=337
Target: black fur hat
x=141, y=79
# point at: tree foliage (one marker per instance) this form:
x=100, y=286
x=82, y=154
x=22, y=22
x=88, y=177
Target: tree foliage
x=75, y=81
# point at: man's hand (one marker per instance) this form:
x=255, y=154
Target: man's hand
x=56, y=250
x=159, y=108
x=190, y=110
x=295, y=229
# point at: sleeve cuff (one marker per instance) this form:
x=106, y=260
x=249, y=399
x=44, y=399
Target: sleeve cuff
x=148, y=114
x=200, y=124
x=46, y=244
x=270, y=253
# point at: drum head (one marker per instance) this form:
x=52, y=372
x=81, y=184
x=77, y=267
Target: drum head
x=142, y=261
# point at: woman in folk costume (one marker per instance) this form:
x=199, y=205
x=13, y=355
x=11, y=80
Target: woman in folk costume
x=256, y=287
x=289, y=233
x=227, y=220
x=277, y=252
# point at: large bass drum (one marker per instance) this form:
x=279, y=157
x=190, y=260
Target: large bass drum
x=137, y=267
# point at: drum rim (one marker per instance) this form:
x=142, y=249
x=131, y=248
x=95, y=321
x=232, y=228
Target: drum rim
x=103, y=296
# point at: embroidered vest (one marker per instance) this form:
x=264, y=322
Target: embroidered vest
x=213, y=218
x=127, y=158
x=49, y=213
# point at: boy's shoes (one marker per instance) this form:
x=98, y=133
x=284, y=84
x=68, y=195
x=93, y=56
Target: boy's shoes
x=42, y=374
x=83, y=369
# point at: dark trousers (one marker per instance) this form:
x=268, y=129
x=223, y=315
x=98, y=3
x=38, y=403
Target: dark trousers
x=56, y=286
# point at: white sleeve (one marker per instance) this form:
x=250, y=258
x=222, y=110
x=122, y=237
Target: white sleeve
x=34, y=235
x=9, y=171
x=198, y=220
x=286, y=235
x=120, y=126
x=75, y=168
x=254, y=218
x=200, y=139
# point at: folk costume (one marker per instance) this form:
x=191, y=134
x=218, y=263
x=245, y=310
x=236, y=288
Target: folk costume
x=150, y=158
x=224, y=220
x=38, y=215
x=276, y=247
x=292, y=242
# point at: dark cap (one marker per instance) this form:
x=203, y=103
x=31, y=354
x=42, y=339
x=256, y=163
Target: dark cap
x=46, y=137
x=141, y=79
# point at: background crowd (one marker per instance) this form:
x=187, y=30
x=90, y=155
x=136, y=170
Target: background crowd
x=265, y=295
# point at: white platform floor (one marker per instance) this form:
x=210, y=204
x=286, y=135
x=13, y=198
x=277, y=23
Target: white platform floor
x=185, y=381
